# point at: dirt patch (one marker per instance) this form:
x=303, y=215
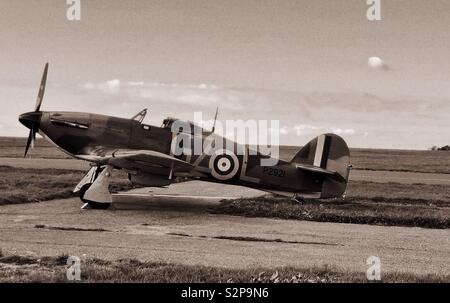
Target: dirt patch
x=251, y=239
x=69, y=228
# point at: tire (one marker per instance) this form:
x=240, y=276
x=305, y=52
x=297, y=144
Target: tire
x=92, y=204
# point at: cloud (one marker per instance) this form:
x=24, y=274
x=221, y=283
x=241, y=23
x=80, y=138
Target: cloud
x=108, y=87
x=312, y=130
x=377, y=63
x=135, y=83
x=284, y=130
x=88, y=86
x=111, y=86
x=304, y=129
x=190, y=94
x=302, y=115
x=340, y=131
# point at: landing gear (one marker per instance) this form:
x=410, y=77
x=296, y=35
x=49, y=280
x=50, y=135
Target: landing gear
x=93, y=189
x=298, y=199
x=91, y=204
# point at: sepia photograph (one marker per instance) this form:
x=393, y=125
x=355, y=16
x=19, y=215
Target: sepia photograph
x=225, y=146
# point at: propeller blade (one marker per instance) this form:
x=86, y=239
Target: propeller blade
x=30, y=141
x=41, y=89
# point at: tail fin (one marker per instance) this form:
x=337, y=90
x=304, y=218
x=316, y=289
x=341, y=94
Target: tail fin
x=329, y=156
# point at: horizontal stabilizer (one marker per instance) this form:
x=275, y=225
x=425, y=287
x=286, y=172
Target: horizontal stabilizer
x=319, y=170
x=314, y=169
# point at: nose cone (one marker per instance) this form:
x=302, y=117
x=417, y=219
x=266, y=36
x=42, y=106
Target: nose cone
x=30, y=119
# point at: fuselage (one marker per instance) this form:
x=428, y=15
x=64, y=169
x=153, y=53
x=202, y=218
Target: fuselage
x=93, y=137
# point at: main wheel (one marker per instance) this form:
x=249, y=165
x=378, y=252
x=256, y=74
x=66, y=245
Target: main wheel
x=92, y=204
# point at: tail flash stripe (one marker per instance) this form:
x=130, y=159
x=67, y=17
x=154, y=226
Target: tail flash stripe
x=319, y=150
x=326, y=152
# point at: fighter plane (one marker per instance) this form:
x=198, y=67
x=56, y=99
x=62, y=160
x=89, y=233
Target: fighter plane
x=320, y=169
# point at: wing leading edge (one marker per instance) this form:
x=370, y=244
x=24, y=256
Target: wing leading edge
x=146, y=158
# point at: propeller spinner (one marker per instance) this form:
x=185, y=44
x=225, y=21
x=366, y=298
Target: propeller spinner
x=32, y=119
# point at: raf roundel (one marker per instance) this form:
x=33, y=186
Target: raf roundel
x=224, y=165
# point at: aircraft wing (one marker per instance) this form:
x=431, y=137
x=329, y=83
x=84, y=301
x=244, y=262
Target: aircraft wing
x=146, y=160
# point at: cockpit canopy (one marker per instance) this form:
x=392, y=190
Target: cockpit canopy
x=182, y=126
x=167, y=123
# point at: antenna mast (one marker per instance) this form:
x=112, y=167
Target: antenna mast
x=215, y=119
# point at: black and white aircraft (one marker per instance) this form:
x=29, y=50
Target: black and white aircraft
x=320, y=169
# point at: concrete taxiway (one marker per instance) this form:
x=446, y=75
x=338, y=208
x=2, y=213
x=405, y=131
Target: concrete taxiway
x=173, y=225
x=180, y=230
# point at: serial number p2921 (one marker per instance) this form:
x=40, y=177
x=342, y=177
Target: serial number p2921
x=277, y=172
x=246, y=292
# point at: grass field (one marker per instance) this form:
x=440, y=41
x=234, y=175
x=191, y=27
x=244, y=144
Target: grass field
x=391, y=160
x=366, y=202
x=417, y=205
x=15, y=147
x=394, y=204
x=19, y=185
x=353, y=210
x=15, y=269
x=33, y=185
x=370, y=159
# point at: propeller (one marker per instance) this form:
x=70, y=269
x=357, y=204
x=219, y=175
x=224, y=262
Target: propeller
x=34, y=127
x=41, y=89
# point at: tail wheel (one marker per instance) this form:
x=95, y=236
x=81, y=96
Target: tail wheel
x=92, y=204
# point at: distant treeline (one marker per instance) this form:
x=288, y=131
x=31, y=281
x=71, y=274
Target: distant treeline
x=447, y=147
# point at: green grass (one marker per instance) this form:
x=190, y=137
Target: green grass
x=33, y=185
x=14, y=268
x=438, y=195
x=401, y=160
x=13, y=147
x=369, y=159
x=356, y=211
x=20, y=185
x=392, y=204
x=418, y=205
x=390, y=159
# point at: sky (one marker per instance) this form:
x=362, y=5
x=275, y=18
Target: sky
x=304, y=63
